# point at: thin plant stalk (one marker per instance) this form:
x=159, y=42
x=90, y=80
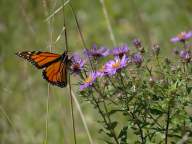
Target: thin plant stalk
x=70, y=89
x=47, y=115
x=72, y=111
x=50, y=32
x=82, y=117
x=110, y=123
x=60, y=34
x=6, y=116
x=184, y=139
x=140, y=128
x=104, y=118
x=107, y=122
x=167, y=123
x=57, y=10
x=112, y=36
x=81, y=34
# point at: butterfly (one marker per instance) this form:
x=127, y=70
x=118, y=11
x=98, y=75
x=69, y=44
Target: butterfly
x=54, y=65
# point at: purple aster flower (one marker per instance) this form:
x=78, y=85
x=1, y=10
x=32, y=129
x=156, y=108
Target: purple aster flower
x=88, y=82
x=120, y=51
x=77, y=63
x=137, y=58
x=97, y=52
x=112, y=66
x=185, y=55
x=182, y=37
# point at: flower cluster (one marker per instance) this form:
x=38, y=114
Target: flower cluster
x=110, y=68
x=121, y=58
x=185, y=52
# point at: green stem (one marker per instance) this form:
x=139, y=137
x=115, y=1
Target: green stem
x=82, y=117
x=81, y=35
x=104, y=97
x=104, y=119
x=110, y=123
x=140, y=128
x=72, y=112
x=47, y=116
x=69, y=77
x=167, y=123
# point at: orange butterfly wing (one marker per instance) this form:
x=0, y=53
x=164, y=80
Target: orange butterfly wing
x=56, y=73
x=55, y=65
x=39, y=59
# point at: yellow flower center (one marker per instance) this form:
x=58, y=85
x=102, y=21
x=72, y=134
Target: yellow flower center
x=181, y=35
x=88, y=79
x=116, y=64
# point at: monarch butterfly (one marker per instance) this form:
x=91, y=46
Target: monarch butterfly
x=54, y=65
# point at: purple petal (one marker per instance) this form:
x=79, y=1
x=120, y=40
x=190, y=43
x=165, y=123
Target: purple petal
x=188, y=35
x=175, y=39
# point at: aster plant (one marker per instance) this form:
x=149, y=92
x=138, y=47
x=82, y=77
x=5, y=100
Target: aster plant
x=139, y=100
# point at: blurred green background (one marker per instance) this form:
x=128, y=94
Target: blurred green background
x=23, y=93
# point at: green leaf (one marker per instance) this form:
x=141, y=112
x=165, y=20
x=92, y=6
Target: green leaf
x=155, y=111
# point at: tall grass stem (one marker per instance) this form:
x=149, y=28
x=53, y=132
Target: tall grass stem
x=6, y=116
x=81, y=34
x=82, y=117
x=69, y=77
x=50, y=32
x=105, y=12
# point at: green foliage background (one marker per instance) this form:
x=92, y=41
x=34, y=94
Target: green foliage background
x=23, y=93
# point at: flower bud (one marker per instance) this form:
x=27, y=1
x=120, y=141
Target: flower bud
x=156, y=49
x=185, y=56
x=137, y=58
x=137, y=43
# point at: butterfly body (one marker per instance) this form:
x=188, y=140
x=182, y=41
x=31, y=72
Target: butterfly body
x=54, y=65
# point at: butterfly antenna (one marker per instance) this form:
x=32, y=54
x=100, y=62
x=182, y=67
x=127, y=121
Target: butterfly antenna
x=81, y=34
x=70, y=89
